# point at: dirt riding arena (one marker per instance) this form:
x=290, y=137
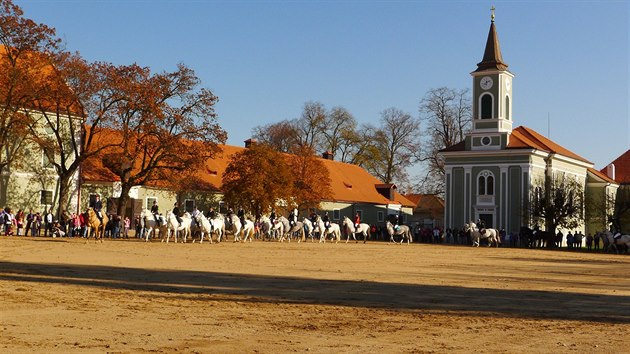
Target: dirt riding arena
x=62, y=295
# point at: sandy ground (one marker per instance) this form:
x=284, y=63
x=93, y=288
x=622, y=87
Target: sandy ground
x=62, y=295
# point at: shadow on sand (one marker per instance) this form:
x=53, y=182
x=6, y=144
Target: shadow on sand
x=454, y=300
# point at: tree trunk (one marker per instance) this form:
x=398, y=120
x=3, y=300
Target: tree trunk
x=123, y=199
x=64, y=195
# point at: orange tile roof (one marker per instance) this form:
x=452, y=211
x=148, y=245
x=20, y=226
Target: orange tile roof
x=349, y=183
x=523, y=137
x=622, y=168
x=527, y=138
x=601, y=175
x=426, y=201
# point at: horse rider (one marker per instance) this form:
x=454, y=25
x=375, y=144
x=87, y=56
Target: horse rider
x=195, y=214
x=155, y=211
x=396, y=222
x=241, y=215
x=98, y=206
x=293, y=217
x=211, y=214
x=357, y=221
x=176, y=213
x=228, y=215
x=326, y=220
x=272, y=216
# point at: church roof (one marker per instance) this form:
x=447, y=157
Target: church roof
x=492, y=59
x=622, y=168
x=527, y=138
x=523, y=137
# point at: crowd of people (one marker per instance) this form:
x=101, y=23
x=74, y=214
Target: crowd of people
x=46, y=224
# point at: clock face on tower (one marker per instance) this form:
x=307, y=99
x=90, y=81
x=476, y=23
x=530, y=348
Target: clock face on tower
x=486, y=82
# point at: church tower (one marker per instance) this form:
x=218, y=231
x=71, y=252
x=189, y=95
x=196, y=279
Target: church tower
x=492, y=98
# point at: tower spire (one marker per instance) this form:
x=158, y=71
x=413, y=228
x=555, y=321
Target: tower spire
x=492, y=59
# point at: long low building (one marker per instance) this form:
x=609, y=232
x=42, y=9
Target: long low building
x=354, y=190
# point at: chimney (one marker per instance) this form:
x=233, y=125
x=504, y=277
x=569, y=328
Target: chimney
x=328, y=155
x=610, y=171
x=249, y=142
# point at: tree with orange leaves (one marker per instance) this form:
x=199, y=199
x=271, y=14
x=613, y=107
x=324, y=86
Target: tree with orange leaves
x=167, y=125
x=311, y=183
x=21, y=40
x=258, y=179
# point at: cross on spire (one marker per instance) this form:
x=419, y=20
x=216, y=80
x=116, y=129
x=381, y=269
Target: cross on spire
x=492, y=15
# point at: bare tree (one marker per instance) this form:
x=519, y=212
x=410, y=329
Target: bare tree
x=557, y=201
x=338, y=130
x=396, y=146
x=280, y=136
x=309, y=126
x=447, y=115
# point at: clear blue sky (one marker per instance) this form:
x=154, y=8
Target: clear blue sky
x=265, y=59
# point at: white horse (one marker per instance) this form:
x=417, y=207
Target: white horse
x=333, y=229
x=308, y=227
x=204, y=227
x=402, y=230
x=149, y=224
x=277, y=230
x=246, y=230
x=363, y=229
x=175, y=227
x=616, y=241
x=265, y=227
x=476, y=235
x=289, y=230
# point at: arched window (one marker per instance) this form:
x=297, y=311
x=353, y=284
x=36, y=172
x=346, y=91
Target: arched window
x=486, y=106
x=486, y=183
x=507, y=107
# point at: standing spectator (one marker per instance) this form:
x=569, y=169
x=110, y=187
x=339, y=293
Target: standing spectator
x=19, y=222
x=589, y=242
x=36, y=223
x=48, y=223
x=138, y=226
x=570, y=240
x=9, y=221
x=577, y=239
x=29, y=221
x=126, y=227
x=596, y=241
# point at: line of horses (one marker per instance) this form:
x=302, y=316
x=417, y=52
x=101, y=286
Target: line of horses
x=199, y=227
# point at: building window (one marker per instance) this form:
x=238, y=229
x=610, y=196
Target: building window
x=46, y=163
x=45, y=197
x=380, y=216
x=336, y=214
x=507, y=107
x=486, y=106
x=189, y=205
x=486, y=183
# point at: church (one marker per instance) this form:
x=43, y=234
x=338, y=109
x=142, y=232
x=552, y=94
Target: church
x=490, y=175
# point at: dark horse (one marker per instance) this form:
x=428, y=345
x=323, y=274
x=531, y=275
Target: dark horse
x=534, y=238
